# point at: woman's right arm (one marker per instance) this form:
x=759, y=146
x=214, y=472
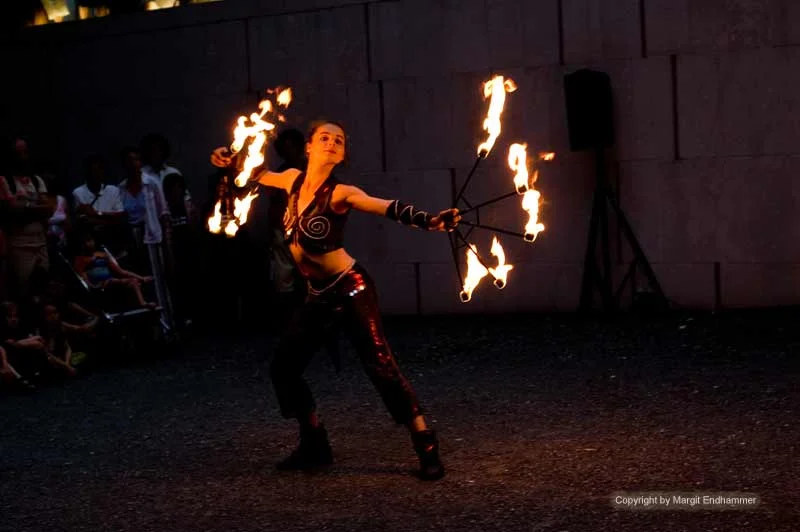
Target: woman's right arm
x=221, y=158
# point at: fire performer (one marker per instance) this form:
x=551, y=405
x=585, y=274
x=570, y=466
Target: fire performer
x=339, y=289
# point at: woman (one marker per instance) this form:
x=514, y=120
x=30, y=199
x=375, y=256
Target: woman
x=148, y=222
x=338, y=289
x=27, y=207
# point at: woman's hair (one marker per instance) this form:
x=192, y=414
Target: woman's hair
x=316, y=124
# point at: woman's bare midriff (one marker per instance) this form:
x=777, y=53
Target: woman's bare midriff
x=319, y=267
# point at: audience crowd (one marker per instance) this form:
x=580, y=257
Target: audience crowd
x=76, y=265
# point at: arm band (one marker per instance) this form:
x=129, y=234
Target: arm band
x=408, y=215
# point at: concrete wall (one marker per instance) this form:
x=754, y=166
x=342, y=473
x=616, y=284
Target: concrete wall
x=706, y=116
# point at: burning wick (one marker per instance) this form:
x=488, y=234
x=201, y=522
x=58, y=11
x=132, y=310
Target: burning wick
x=496, y=88
x=518, y=162
x=530, y=202
x=500, y=272
x=477, y=271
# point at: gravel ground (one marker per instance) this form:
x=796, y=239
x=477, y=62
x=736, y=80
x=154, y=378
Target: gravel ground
x=542, y=418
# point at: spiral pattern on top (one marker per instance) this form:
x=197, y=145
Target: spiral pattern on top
x=317, y=227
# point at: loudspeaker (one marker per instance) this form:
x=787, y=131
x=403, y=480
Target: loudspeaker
x=589, y=109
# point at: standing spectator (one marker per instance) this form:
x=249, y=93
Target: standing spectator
x=99, y=205
x=182, y=248
x=148, y=222
x=26, y=206
x=156, y=151
x=58, y=223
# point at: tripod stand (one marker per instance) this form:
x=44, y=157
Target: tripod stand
x=599, y=275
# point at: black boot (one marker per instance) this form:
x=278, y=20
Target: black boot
x=313, y=452
x=427, y=447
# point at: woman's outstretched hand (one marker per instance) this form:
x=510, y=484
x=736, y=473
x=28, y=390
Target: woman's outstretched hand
x=446, y=220
x=221, y=157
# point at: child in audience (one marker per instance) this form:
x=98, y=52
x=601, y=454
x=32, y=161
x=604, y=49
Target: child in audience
x=100, y=270
x=59, y=352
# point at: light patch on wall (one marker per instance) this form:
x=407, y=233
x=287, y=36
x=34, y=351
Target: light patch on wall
x=153, y=5
x=56, y=9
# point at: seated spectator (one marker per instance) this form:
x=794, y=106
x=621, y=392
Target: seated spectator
x=101, y=271
x=25, y=351
x=11, y=376
x=59, y=352
x=75, y=319
x=98, y=205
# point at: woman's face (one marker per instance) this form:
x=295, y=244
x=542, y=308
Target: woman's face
x=326, y=145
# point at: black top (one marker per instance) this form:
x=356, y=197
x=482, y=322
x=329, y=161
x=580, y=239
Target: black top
x=318, y=229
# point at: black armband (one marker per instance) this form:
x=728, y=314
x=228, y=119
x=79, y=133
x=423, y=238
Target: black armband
x=408, y=215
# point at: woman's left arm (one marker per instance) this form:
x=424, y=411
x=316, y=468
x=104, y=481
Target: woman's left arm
x=396, y=210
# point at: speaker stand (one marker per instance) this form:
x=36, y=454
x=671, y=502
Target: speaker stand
x=599, y=276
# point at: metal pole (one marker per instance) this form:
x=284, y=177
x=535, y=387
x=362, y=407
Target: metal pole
x=491, y=228
x=489, y=202
x=469, y=176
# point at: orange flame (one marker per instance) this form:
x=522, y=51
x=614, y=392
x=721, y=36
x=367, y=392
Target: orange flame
x=242, y=207
x=530, y=203
x=497, y=88
x=231, y=228
x=518, y=161
x=255, y=129
x=500, y=272
x=547, y=156
x=284, y=97
x=215, y=222
x=475, y=272
x=254, y=159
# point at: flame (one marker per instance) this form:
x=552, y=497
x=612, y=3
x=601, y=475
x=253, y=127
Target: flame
x=497, y=88
x=285, y=97
x=518, y=161
x=547, y=156
x=242, y=207
x=255, y=129
x=475, y=272
x=254, y=159
x=215, y=222
x=530, y=203
x=231, y=228
x=500, y=272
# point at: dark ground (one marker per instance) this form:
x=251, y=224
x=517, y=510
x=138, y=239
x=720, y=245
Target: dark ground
x=542, y=418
